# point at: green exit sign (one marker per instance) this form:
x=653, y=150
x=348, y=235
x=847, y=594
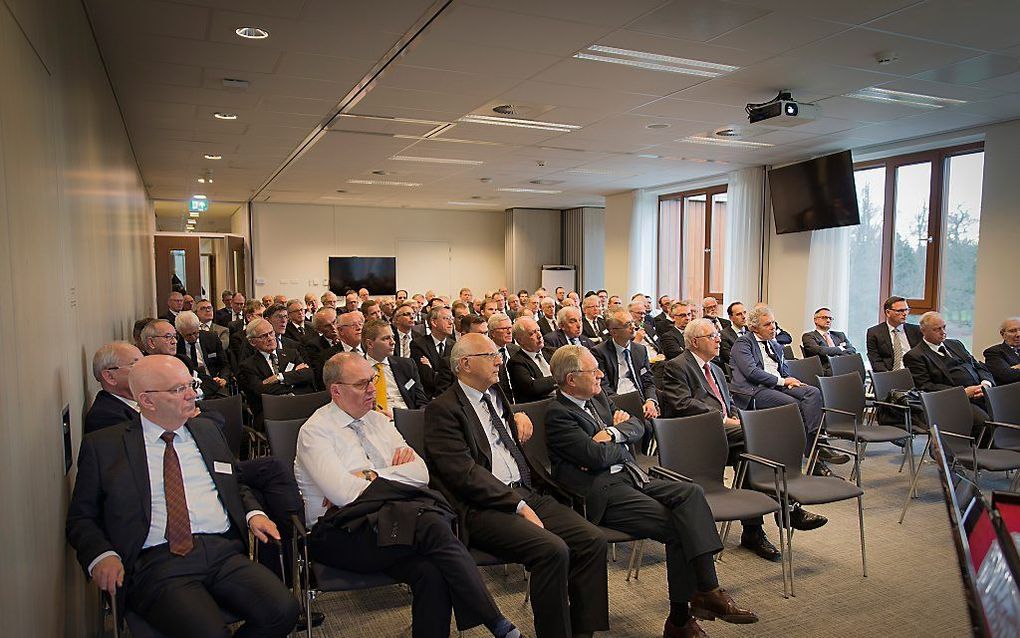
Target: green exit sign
x=198, y=205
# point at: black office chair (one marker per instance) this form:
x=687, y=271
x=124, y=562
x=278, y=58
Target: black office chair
x=632, y=404
x=232, y=410
x=848, y=363
x=806, y=370
x=1004, y=403
x=788, y=353
x=295, y=406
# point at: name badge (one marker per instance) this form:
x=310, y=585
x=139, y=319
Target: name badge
x=643, y=371
x=290, y=366
x=222, y=468
x=211, y=355
x=409, y=384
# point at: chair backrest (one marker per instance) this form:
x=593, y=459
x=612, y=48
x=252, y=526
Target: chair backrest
x=886, y=382
x=411, y=425
x=630, y=403
x=283, y=435
x=232, y=410
x=848, y=363
x=777, y=434
x=537, y=447
x=694, y=446
x=845, y=392
x=788, y=353
x=1004, y=402
x=299, y=406
x=806, y=370
x=950, y=410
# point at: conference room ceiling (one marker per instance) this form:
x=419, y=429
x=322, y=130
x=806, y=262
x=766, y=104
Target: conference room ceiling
x=333, y=95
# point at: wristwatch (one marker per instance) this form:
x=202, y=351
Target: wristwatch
x=370, y=475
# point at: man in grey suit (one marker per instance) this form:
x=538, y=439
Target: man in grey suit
x=823, y=342
x=204, y=311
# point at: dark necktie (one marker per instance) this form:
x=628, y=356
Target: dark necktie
x=441, y=348
x=178, y=525
x=194, y=356
x=633, y=375
x=715, y=388
x=768, y=351
x=633, y=469
x=944, y=352
x=274, y=363
x=504, y=437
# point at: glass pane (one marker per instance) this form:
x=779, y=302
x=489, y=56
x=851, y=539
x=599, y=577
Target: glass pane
x=960, y=243
x=669, y=247
x=178, y=273
x=715, y=265
x=910, y=246
x=692, y=269
x=866, y=254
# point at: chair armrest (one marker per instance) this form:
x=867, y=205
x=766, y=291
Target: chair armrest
x=658, y=471
x=838, y=449
x=898, y=406
x=299, y=526
x=776, y=465
x=957, y=436
x=843, y=412
x=1000, y=424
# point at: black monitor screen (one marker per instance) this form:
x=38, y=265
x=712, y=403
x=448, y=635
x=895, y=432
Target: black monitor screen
x=377, y=274
x=816, y=194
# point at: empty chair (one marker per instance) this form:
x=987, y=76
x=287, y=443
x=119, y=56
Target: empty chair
x=297, y=406
x=232, y=411
x=1004, y=402
x=806, y=370
x=848, y=363
x=775, y=436
x=788, y=352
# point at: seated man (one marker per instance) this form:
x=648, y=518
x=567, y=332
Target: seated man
x=204, y=311
x=298, y=328
x=547, y=316
x=397, y=384
x=625, y=368
x=823, y=342
x=239, y=347
x=588, y=443
x=760, y=373
x=500, y=330
x=710, y=308
x=528, y=369
x=403, y=329
x=174, y=305
x=114, y=403
x=938, y=363
x=671, y=337
x=568, y=321
x=270, y=371
x=431, y=352
x=351, y=464
x=646, y=334
x=736, y=329
x=176, y=542
x=205, y=354
x=473, y=447
x=593, y=326
x=890, y=340
x=1003, y=359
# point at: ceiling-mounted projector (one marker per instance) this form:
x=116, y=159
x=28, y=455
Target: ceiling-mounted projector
x=781, y=111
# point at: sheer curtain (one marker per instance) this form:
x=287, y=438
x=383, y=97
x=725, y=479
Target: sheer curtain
x=692, y=276
x=744, y=234
x=828, y=280
x=669, y=248
x=643, y=243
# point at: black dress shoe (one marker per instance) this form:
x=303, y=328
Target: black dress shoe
x=805, y=521
x=827, y=455
x=317, y=619
x=821, y=469
x=759, y=543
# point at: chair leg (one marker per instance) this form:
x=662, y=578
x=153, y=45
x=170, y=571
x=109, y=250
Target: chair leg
x=860, y=524
x=612, y=547
x=789, y=537
x=812, y=457
x=527, y=587
x=784, y=557
x=635, y=559
x=913, y=480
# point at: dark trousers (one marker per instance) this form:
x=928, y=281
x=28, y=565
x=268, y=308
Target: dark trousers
x=567, y=561
x=438, y=568
x=674, y=513
x=182, y=596
x=272, y=482
x=808, y=400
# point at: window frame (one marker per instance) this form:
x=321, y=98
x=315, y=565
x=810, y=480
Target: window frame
x=708, y=192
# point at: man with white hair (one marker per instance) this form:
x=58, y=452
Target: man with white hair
x=547, y=319
x=568, y=332
x=500, y=330
x=298, y=328
x=204, y=353
x=311, y=305
x=645, y=331
x=114, y=403
x=269, y=370
x=174, y=305
x=593, y=325
x=1003, y=359
x=329, y=299
x=528, y=368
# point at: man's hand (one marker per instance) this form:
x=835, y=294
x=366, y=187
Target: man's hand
x=402, y=455
x=525, y=428
x=530, y=515
x=425, y=362
x=639, y=336
x=730, y=421
x=220, y=382
x=975, y=391
x=300, y=366
x=620, y=416
x=263, y=528
x=791, y=382
x=602, y=436
x=109, y=574
x=1016, y=367
x=270, y=380
x=651, y=410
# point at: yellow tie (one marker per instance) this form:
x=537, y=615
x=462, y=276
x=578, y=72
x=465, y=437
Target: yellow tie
x=380, y=387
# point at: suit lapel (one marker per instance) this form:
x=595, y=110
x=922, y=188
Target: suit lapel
x=577, y=409
x=614, y=365
x=400, y=380
x=134, y=447
x=481, y=438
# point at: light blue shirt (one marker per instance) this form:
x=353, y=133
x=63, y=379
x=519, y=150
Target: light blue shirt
x=504, y=467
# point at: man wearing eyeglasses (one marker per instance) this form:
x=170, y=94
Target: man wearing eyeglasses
x=204, y=352
x=890, y=340
x=397, y=384
x=500, y=330
x=159, y=519
x=672, y=339
x=298, y=328
x=824, y=342
x=269, y=370
x=114, y=403
x=568, y=332
x=592, y=325
x=528, y=369
x=625, y=368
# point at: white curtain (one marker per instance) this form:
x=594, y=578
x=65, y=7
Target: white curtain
x=669, y=248
x=644, y=243
x=692, y=278
x=828, y=276
x=744, y=235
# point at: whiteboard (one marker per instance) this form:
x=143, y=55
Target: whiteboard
x=553, y=276
x=423, y=265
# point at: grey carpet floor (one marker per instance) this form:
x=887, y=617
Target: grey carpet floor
x=913, y=587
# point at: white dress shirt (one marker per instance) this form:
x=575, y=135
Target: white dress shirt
x=131, y=403
x=624, y=383
x=899, y=334
x=540, y=361
x=403, y=343
x=504, y=467
x=329, y=451
x=393, y=398
x=768, y=364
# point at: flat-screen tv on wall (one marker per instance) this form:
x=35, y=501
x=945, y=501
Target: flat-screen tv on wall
x=819, y=193
x=377, y=274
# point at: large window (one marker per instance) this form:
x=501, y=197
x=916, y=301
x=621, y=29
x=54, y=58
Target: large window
x=917, y=237
x=695, y=222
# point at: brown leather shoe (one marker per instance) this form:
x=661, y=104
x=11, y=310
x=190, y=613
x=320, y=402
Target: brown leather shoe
x=719, y=604
x=690, y=630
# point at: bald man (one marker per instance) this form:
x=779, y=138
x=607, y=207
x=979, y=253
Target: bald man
x=114, y=403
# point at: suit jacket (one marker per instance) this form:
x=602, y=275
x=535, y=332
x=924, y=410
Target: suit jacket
x=545, y=325
x=748, y=367
x=671, y=341
x=930, y=371
x=106, y=410
x=783, y=337
x=169, y=316
x=526, y=377
x=662, y=322
x=111, y=505
x=879, y=345
x=437, y=376
x=557, y=338
x=579, y=463
x=216, y=361
x=605, y=355
x=596, y=331
x=1000, y=359
x=404, y=373
x=729, y=337
x=236, y=326
x=299, y=336
x=221, y=332
x=505, y=382
x=814, y=345
x=223, y=317
x=253, y=370
x=685, y=390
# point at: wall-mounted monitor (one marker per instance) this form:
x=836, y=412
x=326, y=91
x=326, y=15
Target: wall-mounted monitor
x=377, y=274
x=816, y=194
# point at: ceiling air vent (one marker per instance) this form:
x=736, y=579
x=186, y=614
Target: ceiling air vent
x=510, y=109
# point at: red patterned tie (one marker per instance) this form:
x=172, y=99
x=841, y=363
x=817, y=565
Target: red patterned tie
x=715, y=389
x=178, y=525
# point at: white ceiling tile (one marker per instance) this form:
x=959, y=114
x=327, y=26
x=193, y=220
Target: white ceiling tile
x=699, y=20
x=865, y=111
x=299, y=105
x=472, y=58
x=778, y=32
x=381, y=97
x=621, y=78
x=322, y=67
x=393, y=16
x=982, y=24
x=676, y=47
x=402, y=76
x=151, y=18
x=720, y=91
x=289, y=9
x=703, y=112
x=605, y=97
x=856, y=12
x=983, y=67
x=807, y=75
x=611, y=13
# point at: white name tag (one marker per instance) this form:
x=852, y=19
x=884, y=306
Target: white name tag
x=222, y=468
x=290, y=366
x=409, y=384
x=643, y=371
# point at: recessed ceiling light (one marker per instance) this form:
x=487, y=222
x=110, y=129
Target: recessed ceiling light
x=466, y=203
x=198, y=197
x=728, y=132
x=376, y=182
x=919, y=100
x=658, y=125
x=225, y=116
x=252, y=33
x=446, y=139
x=654, y=61
x=210, y=156
x=714, y=141
x=648, y=156
x=546, y=182
x=529, y=190
x=590, y=171
x=519, y=123
x=436, y=160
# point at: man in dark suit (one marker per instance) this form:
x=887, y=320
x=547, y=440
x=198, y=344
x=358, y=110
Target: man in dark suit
x=546, y=316
x=324, y=337
x=298, y=329
x=239, y=347
x=938, y=363
x=277, y=316
x=890, y=340
x=624, y=366
x=205, y=354
x=269, y=370
x=588, y=444
x=432, y=353
x=204, y=311
x=473, y=450
x=568, y=321
x=710, y=309
x=760, y=372
x=736, y=329
x=500, y=330
x=222, y=316
x=403, y=329
x=1003, y=359
x=114, y=403
x=592, y=325
x=174, y=305
x=662, y=321
x=398, y=384
x=528, y=368
x=157, y=510
x=671, y=337
x=823, y=342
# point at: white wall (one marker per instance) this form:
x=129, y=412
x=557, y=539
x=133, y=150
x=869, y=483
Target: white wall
x=533, y=240
x=76, y=269
x=291, y=244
